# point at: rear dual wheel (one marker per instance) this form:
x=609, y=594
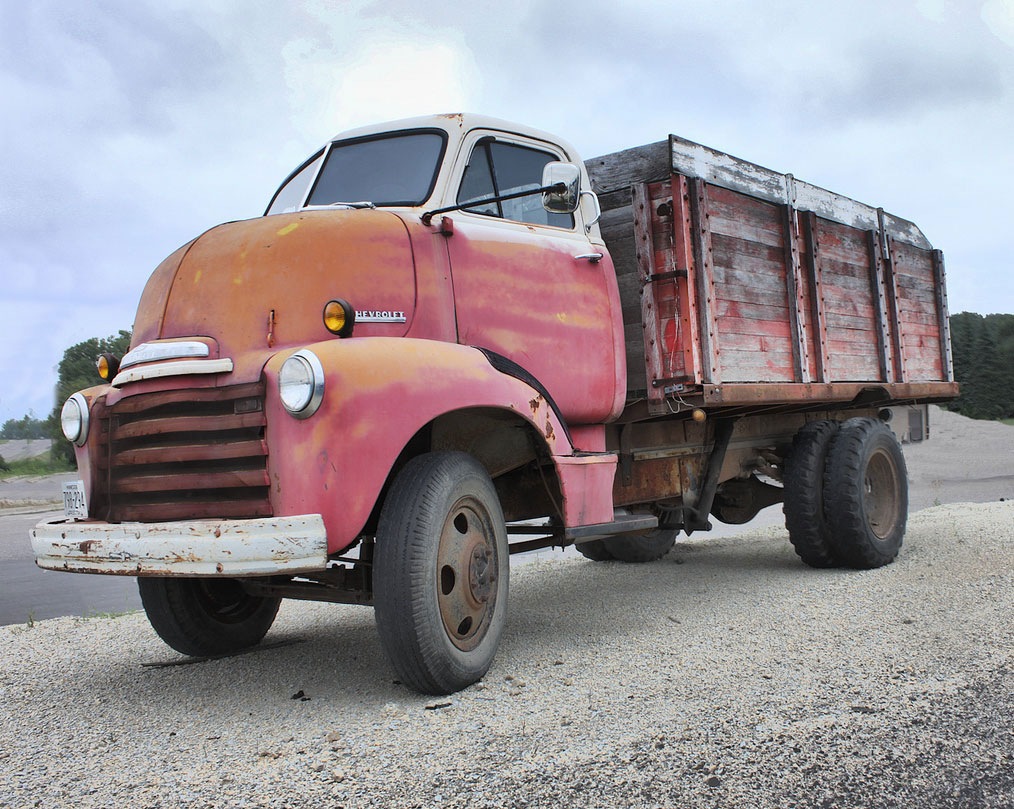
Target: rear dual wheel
x=866, y=494
x=846, y=494
x=632, y=548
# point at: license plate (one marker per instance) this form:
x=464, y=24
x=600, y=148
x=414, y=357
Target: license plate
x=74, y=502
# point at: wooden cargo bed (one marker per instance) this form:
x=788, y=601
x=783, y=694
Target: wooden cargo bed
x=743, y=287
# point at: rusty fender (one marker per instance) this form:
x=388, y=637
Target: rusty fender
x=379, y=392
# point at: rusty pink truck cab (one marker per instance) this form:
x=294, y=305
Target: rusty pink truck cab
x=424, y=341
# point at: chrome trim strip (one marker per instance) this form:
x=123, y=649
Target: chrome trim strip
x=256, y=547
x=380, y=316
x=175, y=368
x=154, y=352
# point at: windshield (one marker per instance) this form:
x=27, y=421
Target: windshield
x=389, y=169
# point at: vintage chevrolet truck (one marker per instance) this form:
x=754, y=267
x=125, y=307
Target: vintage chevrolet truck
x=449, y=340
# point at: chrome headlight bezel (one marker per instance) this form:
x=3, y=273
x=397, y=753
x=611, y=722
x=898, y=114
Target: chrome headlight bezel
x=301, y=384
x=74, y=420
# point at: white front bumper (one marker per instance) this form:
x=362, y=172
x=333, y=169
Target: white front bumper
x=258, y=547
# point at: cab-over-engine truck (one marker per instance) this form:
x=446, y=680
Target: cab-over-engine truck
x=437, y=348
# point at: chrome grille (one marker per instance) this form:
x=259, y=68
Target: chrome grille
x=187, y=454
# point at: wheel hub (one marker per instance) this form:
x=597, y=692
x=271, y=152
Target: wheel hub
x=467, y=574
x=480, y=574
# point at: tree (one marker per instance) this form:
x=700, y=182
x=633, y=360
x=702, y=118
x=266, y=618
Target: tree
x=75, y=372
x=983, y=352
x=26, y=427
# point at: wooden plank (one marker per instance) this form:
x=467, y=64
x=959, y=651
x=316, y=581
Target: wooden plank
x=854, y=278
x=733, y=251
x=651, y=360
x=743, y=325
x=793, y=286
x=896, y=325
x=851, y=307
x=812, y=266
x=749, y=366
x=918, y=311
x=940, y=285
x=704, y=281
x=759, y=277
x=751, y=310
x=866, y=324
x=683, y=253
x=890, y=369
x=738, y=341
x=738, y=215
x=629, y=167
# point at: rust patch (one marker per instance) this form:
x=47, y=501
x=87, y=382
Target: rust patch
x=534, y=404
x=549, y=430
x=87, y=545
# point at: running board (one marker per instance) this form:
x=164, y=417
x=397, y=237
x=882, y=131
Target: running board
x=621, y=524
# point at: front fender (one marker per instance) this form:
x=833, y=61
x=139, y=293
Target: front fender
x=379, y=392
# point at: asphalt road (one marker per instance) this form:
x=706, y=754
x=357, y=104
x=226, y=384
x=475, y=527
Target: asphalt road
x=29, y=594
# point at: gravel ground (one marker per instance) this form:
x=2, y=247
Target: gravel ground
x=726, y=675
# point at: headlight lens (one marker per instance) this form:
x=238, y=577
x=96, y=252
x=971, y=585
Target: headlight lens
x=74, y=419
x=301, y=384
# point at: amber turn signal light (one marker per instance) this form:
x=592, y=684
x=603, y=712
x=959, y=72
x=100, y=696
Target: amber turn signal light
x=339, y=317
x=108, y=365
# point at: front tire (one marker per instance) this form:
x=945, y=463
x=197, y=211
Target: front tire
x=206, y=617
x=441, y=573
x=866, y=494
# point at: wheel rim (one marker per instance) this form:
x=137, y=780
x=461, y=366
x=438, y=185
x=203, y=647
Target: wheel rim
x=880, y=494
x=467, y=573
x=226, y=601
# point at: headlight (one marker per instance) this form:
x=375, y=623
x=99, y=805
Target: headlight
x=301, y=384
x=74, y=419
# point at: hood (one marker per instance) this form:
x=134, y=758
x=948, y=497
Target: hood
x=262, y=284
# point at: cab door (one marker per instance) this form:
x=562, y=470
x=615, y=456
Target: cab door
x=524, y=284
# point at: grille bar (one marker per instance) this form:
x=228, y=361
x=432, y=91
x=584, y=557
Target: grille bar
x=188, y=454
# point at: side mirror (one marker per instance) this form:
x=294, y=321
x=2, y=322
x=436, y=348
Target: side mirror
x=569, y=176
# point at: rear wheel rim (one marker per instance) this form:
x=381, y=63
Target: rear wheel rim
x=881, y=500
x=467, y=573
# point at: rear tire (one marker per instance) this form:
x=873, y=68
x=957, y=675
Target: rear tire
x=866, y=482
x=804, y=494
x=206, y=617
x=441, y=573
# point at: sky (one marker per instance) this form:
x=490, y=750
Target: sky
x=131, y=126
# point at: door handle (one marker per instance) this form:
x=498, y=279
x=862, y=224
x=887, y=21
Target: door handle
x=594, y=258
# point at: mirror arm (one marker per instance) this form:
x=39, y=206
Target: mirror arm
x=556, y=188
x=598, y=209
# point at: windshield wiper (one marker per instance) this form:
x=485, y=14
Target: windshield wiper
x=349, y=205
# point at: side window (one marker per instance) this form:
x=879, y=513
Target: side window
x=496, y=168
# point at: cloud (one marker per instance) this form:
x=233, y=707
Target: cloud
x=130, y=127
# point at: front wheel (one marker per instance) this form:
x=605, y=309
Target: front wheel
x=866, y=494
x=440, y=573
x=206, y=617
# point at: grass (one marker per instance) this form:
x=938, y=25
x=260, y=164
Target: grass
x=1008, y=421
x=40, y=465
